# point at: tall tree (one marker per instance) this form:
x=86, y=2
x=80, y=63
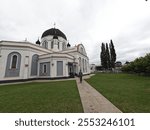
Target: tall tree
x=112, y=54
x=108, y=57
x=103, y=56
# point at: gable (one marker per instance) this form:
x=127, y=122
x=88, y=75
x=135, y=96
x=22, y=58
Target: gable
x=81, y=49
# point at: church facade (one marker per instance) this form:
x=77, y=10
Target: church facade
x=53, y=57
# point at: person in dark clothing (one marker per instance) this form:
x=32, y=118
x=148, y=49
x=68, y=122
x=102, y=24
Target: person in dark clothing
x=80, y=76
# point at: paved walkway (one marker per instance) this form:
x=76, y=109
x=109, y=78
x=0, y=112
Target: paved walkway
x=93, y=101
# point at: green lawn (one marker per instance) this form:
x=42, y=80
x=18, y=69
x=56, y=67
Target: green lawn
x=44, y=97
x=130, y=93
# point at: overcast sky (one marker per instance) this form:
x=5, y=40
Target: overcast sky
x=90, y=22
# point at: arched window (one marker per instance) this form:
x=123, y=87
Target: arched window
x=80, y=61
x=58, y=45
x=34, y=65
x=81, y=50
x=45, y=44
x=52, y=44
x=63, y=46
x=83, y=65
x=14, y=62
x=80, y=64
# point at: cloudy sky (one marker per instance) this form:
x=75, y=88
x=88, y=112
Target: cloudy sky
x=90, y=22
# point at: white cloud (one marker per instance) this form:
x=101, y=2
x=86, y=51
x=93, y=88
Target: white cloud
x=88, y=21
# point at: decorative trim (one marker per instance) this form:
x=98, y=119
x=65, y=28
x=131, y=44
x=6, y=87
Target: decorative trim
x=26, y=45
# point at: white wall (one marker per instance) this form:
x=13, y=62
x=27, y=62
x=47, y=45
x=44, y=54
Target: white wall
x=53, y=58
x=49, y=39
x=2, y=64
x=26, y=58
x=77, y=54
x=27, y=50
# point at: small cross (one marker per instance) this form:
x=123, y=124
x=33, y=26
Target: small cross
x=54, y=24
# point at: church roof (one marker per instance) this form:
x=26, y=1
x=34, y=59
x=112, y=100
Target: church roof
x=54, y=32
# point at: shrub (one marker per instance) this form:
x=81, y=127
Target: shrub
x=139, y=65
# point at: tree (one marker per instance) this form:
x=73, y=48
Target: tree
x=108, y=57
x=103, y=56
x=140, y=65
x=112, y=54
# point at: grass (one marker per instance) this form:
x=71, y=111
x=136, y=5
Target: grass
x=47, y=97
x=130, y=93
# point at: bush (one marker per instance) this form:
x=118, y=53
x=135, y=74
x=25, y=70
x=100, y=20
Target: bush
x=139, y=65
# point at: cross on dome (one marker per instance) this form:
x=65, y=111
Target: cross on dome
x=54, y=24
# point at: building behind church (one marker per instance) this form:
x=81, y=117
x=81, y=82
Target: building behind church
x=53, y=57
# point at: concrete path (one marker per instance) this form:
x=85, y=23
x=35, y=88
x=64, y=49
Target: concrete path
x=93, y=101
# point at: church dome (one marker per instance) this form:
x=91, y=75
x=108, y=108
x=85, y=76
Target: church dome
x=55, y=32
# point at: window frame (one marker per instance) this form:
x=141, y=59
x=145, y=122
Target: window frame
x=58, y=45
x=52, y=44
x=12, y=61
x=45, y=44
x=44, y=68
x=63, y=46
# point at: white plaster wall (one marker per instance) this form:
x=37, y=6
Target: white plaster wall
x=27, y=50
x=53, y=65
x=5, y=52
x=2, y=64
x=65, y=66
x=26, y=59
x=42, y=61
x=77, y=55
x=31, y=53
x=49, y=39
x=25, y=71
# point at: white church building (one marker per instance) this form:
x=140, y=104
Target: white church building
x=51, y=58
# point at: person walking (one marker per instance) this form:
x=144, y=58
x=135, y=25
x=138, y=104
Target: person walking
x=80, y=76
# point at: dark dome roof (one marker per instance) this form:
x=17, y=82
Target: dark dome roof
x=55, y=32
